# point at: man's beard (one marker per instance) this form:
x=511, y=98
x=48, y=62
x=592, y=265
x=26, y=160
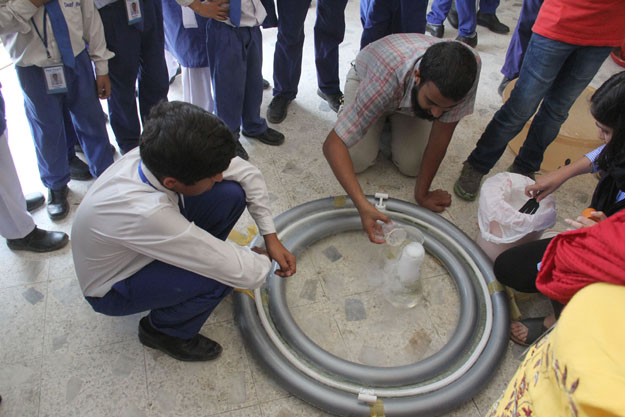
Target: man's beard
x=419, y=111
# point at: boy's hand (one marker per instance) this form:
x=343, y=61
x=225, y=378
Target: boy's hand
x=103, y=84
x=369, y=215
x=281, y=255
x=435, y=201
x=212, y=9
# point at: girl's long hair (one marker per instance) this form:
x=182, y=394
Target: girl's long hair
x=608, y=108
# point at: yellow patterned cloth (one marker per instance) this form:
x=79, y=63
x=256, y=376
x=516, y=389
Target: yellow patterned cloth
x=579, y=368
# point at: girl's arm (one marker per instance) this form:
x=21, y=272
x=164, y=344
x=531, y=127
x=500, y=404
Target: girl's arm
x=548, y=183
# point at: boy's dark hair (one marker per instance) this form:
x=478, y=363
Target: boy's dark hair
x=607, y=106
x=185, y=142
x=452, y=68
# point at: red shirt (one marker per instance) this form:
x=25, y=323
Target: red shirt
x=582, y=22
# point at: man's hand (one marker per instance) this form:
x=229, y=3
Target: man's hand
x=103, y=84
x=277, y=252
x=212, y=9
x=435, y=201
x=369, y=215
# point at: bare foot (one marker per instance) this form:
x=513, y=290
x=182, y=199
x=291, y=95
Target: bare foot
x=519, y=331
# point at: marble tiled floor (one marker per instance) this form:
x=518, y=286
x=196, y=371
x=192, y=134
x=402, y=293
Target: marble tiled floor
x=59, y=358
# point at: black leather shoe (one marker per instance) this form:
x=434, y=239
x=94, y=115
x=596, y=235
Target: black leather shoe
x=333, y=100
x=471, y=41
x=240, y=151
x=276, y=111
x=58, y=206
x=452, y=17
x=198, y=348
x=435, y=30
x=39, y=240
x=266, y=84
x=34, y=201
x=78, y=170
x=503, y=84
x=492, y=22
x=269, y=137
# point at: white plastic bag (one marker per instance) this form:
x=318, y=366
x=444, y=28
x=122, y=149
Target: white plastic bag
x=501, y=197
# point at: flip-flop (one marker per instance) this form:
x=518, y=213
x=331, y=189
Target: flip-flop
x=535, y=329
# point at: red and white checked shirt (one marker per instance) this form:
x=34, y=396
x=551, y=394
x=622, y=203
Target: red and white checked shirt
x=386, y=72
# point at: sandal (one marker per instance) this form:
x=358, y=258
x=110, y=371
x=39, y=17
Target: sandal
x=535, y=329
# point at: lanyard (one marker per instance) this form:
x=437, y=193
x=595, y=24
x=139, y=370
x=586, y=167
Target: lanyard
x=146, y=181
x=43, y=38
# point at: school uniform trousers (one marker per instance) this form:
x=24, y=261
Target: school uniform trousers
x=235, y=56
x=45, y=117
x=520, y=39
x=329, y=31
x=380, y=18
x=180, y=301
x=139, y=56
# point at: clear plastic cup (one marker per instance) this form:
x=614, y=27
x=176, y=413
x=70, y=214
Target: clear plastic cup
x=393, y=234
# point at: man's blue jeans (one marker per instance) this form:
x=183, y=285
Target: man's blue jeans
x=554, y=72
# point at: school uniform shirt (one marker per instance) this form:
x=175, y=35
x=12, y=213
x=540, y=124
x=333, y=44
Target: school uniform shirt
x=123, y=224
x=252, y=12
x=26, y=48
x=386, y=72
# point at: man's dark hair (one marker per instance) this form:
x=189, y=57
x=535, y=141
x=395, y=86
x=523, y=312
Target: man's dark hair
x=452, y=68
x=185, y=142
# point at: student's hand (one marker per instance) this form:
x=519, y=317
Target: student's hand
x=39, y=3
x=435, y=201
x=281, y=255
x=212, y=9
x=582, y=221
x=545, y=185
x=103, y=84
x=369, y=216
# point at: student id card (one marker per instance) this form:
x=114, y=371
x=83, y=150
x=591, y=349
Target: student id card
x=133, y=10
x=55, y=79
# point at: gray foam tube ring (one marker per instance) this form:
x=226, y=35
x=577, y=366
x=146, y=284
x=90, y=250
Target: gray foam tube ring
x=346, y=403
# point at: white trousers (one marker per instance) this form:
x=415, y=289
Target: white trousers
x=196, y=87
x=409, y=136
x=15, y=222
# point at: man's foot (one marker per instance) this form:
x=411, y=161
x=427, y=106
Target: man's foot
x=276, y=112
x=492, y=22
x=240, y=151
x=333, y=100
x=269, y=137
x=452, y=17
x=266, y=84
x=468, y=185
x=438, y=31
x=198, y=348
x=58, y=206
x=527, y=331
x=78, y=170
x=39, y=240
x=503, y=84
x=34, y=201
x=469, y=40
x=516, y=170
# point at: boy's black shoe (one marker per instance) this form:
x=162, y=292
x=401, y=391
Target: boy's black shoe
x=266, y=84
x=78, y=170
x=471, y=41
x=58, y=206
x=39, y=240
x=269, y=137
x=435, y=30
x=276, y=111
x=492, y=22
x=34, y=201
x=240, y=151
x=196, y=349
x=503, y=84
x=333, y=100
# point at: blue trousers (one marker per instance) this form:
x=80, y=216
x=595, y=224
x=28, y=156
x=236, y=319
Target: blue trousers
x=45, y=117
x=180, y=301
x=466, y=13
x=380, y=18
x=329, y=32
x=235, y=57
x=139, y=56
x=520, y=38
x=554, y=72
